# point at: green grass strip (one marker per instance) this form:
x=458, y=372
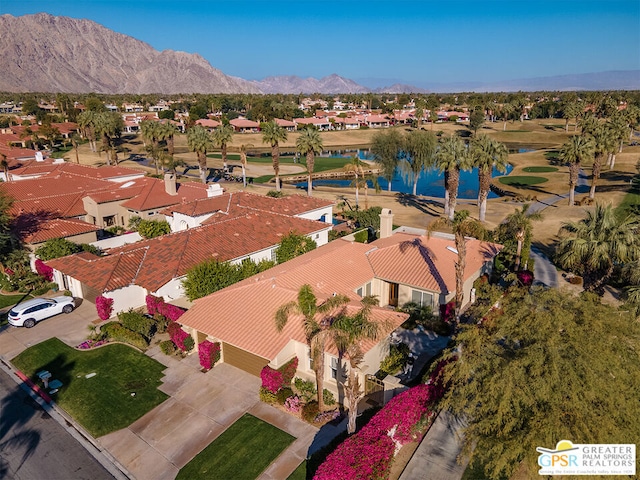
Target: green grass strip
x=242, y=451
x=540, y=169
x=103, y=403
x=522, y=180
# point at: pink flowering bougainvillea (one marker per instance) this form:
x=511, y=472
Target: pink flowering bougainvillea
x=271, y=379
x=289, y=371
x=158, y=305
x=209, y=354
x=104, y=306
x=368, y=453
x=448, y=311
x=293, y=404
x=525, y=277
x=44, y=270
x=177, y=335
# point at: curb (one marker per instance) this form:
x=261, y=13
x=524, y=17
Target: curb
x=45, y=402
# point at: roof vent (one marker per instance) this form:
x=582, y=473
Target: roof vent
x=451, y=249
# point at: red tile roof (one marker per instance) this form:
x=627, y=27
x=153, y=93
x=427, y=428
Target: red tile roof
x=58, y=228
x=208, y=123
x=170, y=256
x=284, y=123
x=243, y=123
x=153, y=194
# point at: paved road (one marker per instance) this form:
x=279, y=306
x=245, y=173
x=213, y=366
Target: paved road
x=33, y=446
x=543, y=270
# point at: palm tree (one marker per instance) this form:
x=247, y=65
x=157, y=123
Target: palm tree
x=5, y=166
x=595, y=244
x=317, y=320
x=309, y=143
x=75, y=141
x=243, y=161
x=273, y=134
x=151, y=133
x=355, y=167
x=519, y=225
x=451, y=157
x=419, y=149
x=570, y=110
x=462, y=225
x=348, y=332
x=109, y=126
x=221, y=137
x=574, y=152
x=604, y=141
x=485, y=154
x=86, y=122
x=199, y=141
x=167, y=132
x=386, y=148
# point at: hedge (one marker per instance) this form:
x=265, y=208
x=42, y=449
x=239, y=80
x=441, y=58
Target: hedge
x=138, y=322
x=121, y=334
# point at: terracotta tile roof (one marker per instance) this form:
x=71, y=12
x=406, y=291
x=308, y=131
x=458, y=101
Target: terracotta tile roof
x=14, y=153
x=284, y=123
x=244, y=312
x=312, y=121
x=243, y=123
x=170, y=256
x=153, y=194
x=426, y=263
x=58, y=228
x=201, y=206
x=208, y=123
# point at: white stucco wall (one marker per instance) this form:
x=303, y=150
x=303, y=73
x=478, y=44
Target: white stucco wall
x=125, y=298
x=180, y=221
x=117, y=241
x=171, y=290
x=317, y=214
x=75, y=287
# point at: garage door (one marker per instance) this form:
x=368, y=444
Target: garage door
x=243, y=360
x=89, y=293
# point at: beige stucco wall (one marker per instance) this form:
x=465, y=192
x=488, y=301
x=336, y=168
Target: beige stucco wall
x=98, y=211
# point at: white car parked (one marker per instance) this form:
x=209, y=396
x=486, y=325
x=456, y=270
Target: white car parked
x=28, y=313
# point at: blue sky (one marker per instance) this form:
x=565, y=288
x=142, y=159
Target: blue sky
x=418, y=42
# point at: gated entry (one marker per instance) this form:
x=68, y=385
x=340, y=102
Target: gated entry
x=374, y=390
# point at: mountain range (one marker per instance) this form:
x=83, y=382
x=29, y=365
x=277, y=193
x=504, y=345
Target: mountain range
x=45, y=53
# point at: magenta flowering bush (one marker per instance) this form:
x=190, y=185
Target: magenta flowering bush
x=158, y=305
x=87, y=344
x=104, y=306
x=525, y=277
x=209, y=354
x=271, y=379
x=44, y=270
x=289, y=371
x=177, y=335
x=293, y=404
x=448, y=311
x=368, y=453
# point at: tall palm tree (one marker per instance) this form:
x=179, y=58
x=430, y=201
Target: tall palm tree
x=451, y=157
x=348, y=333
x=486, y=154
x=75, y=141
x=273, y=134
x=317, y=319
x=519, y=225
x=419, y=149
x=167, y=132
x=243, y=161
x=109, y=126
x=574, y=152
x=86, y=122
x=462, y=225
x=221, y=137
x=386, y=148
x=604, y=140
x=592, y=246
x=151, y=134
x=570, y=110
x=309, y=143
x=199, y=141
x=355, y=168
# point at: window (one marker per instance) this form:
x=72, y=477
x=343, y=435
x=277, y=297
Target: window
x=109, y=221
x=310, y=358
x=424, y=299
x=334, y=368
x=364, y=291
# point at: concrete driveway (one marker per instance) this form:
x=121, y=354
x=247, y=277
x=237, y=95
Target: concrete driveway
x=201, y=407
x=71, y=328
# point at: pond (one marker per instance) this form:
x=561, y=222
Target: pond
x=430, y=183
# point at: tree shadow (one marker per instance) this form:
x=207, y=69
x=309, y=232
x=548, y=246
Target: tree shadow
x=28, y=223
x=428, y=256
x=427, y=206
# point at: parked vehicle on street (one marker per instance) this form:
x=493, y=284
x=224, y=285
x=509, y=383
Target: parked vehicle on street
x=27, y=314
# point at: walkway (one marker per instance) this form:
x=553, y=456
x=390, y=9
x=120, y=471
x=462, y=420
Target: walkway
x=201, y=407
x=436, y=456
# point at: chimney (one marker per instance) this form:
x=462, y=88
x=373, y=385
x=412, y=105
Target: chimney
x=214, y=190
x=386, y=223
x=170, y=184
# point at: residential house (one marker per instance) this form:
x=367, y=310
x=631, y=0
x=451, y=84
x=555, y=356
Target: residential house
x=286, y=124
x=377, y=121
x=208, y=123
x=243, y=125
x=322, y=124
x=401, y=267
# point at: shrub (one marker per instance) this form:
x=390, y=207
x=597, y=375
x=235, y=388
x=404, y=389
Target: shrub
x=44, y=270
x=293, y=404
x=283, y=394
x=275, y=194
x=288, y=371
x=179, y=337
x=153, y=228
x=328, y=397
x=310, y=411
x=189, y=343
x=167, y=347
x=161, y=323
x=209, y=354
x=121, y=334
x=157, y=305
x=397, y=358
x=104, y=306
x=293, y=245
x=271, y=379
x=362, y=236
x=267, y=396
x=43, y=289
x=306, y=388
x=525, y=277
x=448, y=311
x=138, y=322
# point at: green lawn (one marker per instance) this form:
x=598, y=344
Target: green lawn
x=522, y=180
x=10, y=301
x=630, y=203
x=103, y=403
x=299, y=473
x=322, y=164
x=242, y=451
x=539, y=169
